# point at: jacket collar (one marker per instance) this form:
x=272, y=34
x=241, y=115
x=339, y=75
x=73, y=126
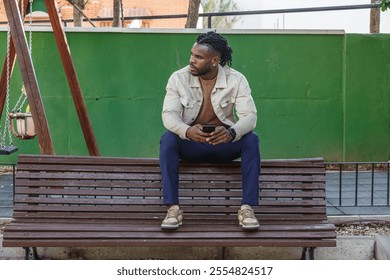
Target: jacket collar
x=220, y=83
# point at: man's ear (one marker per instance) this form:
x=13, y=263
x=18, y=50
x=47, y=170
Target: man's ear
x=215, y=60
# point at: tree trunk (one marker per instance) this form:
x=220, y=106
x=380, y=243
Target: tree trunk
x=77, y=16
x=374, y=19
x=116, y=13
x=193, y=13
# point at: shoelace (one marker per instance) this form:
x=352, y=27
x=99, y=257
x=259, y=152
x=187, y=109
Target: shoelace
x=172, y=213
x=247, y=213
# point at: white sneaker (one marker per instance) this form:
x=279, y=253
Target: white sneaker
x=247, y=219
x=173, y=219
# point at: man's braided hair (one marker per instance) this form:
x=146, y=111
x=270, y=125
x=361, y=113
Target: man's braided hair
x=218, y=43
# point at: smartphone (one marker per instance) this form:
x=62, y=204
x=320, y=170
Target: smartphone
x=208, y=128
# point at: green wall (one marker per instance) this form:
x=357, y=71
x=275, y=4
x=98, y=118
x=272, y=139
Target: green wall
x=317, y=94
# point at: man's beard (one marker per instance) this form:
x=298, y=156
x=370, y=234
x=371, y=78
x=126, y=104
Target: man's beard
x=200, y=72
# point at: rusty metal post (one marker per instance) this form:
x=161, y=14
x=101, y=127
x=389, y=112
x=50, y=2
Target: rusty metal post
x=12, y=59
x=29, y=77
x=71, y=75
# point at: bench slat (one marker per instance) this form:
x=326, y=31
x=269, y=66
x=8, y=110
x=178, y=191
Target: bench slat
x=151, y=201
x=117, y=161
x=99, y=213
x=157, y=177
x=170, y=243
x=155, y=169
x=109, y=227
x=159, y=234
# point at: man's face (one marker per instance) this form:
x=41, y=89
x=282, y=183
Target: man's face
x=202, y=60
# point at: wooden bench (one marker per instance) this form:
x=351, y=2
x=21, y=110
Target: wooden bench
x=68, y=201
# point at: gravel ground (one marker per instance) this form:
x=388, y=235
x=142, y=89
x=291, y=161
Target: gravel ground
x=364, y=229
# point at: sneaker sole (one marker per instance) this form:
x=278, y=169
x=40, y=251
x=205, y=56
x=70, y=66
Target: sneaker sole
x=249, y=227
x=171, y=226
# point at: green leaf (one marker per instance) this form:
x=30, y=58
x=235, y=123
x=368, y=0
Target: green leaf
x=384, y=4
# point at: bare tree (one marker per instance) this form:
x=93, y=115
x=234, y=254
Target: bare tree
x=193, y=13
x=78, y=7
x=116, y=13
x=220, y=6
x=375, y=19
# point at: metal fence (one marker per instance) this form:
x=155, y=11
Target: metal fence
x=354, y=187
x=212, y=15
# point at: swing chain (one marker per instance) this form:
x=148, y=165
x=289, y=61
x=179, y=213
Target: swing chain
x=30, y=29
x=30, y=23
x=20, y=103
x=23, y=97
x=7, y=119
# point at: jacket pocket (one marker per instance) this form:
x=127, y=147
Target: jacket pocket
x=189, y=109
x=186, y=102
x=227, y=105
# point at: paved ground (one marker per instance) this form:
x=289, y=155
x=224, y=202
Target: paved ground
x=6, y=195
x=359, y=196
x=370, y=200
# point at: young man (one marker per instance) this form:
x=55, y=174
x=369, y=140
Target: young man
x=208, y=91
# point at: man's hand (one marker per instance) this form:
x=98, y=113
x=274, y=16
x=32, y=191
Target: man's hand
x=196, y=134
x=219, y=136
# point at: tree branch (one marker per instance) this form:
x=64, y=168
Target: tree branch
x=78, y=9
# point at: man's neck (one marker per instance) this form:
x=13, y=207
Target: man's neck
x=212, y=75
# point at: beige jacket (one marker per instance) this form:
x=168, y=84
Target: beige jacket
x=231, y=96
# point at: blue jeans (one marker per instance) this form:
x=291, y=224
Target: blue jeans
x=173, y=148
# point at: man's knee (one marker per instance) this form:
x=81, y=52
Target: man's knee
x=168, y=138
x=168, y=141
x=251, y=139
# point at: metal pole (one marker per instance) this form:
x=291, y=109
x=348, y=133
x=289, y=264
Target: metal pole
x=29, y=77
x=71, y=75
x=12, y=59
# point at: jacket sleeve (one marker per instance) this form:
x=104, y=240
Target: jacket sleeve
x=245, y=110
x=173, y=109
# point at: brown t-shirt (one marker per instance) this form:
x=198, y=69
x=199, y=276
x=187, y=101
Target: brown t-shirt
x=206, y=114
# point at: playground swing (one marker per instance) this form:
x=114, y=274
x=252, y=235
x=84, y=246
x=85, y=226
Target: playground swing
x=19, y=47
x=20, y=124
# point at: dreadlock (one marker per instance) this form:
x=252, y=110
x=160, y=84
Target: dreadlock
x=218, y=43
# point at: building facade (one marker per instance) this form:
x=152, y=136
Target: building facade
x=100, y=13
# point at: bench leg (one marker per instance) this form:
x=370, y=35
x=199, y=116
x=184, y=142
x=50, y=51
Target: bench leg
x=28, y=253
x=309, y=251
x=221, y=254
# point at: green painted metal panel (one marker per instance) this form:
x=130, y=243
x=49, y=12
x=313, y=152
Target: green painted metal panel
x=367, y=110
x=302, y=85
x=38, y=5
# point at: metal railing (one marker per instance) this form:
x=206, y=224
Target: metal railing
x=358, y=184
x=210, y=16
